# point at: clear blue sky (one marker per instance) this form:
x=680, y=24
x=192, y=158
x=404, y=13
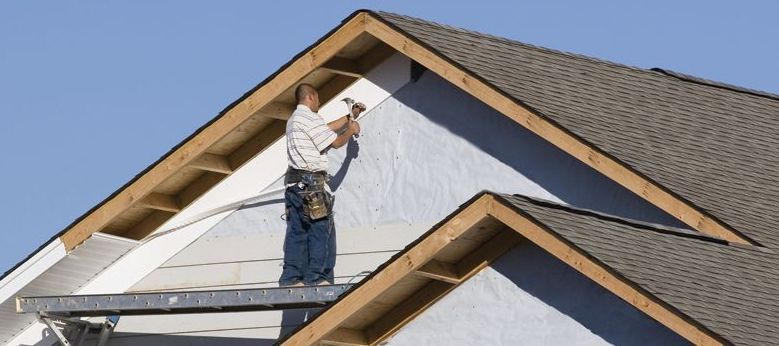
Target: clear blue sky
x=92, y=92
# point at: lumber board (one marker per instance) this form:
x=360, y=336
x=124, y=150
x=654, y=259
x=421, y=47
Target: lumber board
x=346, y=337
x=212, y=163
x=441, y=271
x=343, y=66
x=160, y=201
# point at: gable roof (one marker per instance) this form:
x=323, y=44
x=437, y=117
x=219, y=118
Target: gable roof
x=711, y=144
x=703, y=152
x=708, y=291
x=594, y=110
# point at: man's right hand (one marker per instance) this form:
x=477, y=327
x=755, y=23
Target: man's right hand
x=355, y=126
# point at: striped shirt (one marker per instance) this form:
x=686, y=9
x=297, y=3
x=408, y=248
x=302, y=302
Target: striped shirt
x=308, y=138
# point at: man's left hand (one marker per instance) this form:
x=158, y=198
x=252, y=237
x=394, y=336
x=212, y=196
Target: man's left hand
x=357, y=109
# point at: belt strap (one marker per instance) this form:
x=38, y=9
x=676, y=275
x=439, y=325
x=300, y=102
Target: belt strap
x=296, y=175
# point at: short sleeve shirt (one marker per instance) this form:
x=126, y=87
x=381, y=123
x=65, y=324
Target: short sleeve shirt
x=308, y=138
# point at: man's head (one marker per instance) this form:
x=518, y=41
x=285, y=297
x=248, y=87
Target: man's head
x=305, y=94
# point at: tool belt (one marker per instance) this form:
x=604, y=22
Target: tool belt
x=295, y=176
x=317, y=202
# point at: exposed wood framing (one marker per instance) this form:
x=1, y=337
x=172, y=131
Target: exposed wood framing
x=212, y=163
x=466, y=268
x=420, y=260
x=343, y=66
x=277, y=110
x=147, y=225
x=346, y=337
x=599, y=274
x=330, y=319
x=256, y=144
x=590, y=155
x=440, y=271
x=407, y=310
x=192, y=192
x=159, y=201
x=196, y=146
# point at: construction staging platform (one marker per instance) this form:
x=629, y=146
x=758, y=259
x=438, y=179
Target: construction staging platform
x=277, y=298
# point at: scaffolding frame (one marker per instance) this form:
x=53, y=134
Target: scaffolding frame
x=68, y=310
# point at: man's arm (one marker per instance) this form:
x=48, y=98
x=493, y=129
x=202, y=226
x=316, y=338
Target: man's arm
x=337, y=124
x=352, y=129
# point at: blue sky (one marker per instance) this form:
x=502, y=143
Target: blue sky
x=92, y=92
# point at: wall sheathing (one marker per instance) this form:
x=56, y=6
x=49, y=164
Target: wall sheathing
x=528, y=297
x=425, y=147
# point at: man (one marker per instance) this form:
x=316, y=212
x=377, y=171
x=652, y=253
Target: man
x=309, y=245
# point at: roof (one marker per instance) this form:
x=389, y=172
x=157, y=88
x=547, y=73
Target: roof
x=703, y=151
x=730, y=289
x=727, y=290
x=714, y=145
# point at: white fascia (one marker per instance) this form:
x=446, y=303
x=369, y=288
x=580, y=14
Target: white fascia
x=31, y=269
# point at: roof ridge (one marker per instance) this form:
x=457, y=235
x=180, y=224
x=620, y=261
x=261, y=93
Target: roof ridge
x=712, y=83
x=659, y=228
x=651, y=71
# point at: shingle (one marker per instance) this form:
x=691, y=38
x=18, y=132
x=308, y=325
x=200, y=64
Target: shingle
x=729, y=289
x=714, y=145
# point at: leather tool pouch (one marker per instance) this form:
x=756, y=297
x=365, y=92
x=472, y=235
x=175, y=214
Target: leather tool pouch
x=315, y=205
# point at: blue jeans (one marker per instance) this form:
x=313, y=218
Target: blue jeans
x=309, y=245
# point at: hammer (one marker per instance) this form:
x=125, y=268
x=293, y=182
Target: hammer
x=349, y=103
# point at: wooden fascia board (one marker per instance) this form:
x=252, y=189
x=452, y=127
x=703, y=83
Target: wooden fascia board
x=581, y=262
x=329, y=320
x=98, y=218
x=423, y=252
x=590, y=155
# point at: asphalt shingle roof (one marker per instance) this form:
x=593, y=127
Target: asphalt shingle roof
x=729, y=289
x=714, y=145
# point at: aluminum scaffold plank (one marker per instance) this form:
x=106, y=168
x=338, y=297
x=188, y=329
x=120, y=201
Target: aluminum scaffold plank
x=277, y=298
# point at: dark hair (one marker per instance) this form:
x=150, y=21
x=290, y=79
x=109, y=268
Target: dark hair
x=303, y=90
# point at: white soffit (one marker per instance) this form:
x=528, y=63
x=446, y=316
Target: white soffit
x=51, y=272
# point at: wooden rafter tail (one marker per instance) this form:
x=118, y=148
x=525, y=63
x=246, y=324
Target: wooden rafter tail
x=590, y=155
x=343, y=66
x=200, y=142
x=212, y=163
x=346, y=337
x=160, y=201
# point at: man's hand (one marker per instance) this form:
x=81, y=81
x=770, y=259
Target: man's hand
x=357, y=109
x=355, y=127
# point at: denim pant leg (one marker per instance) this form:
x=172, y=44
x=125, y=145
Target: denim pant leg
x=332, y=250
x=321, y=255
x=295, y=240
